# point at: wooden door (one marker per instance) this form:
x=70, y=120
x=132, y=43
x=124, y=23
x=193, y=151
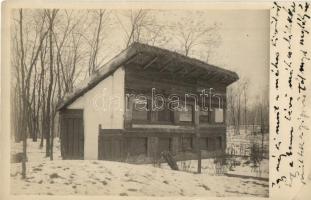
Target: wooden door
x=72, y=134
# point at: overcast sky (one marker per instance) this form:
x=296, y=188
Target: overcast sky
x=244, y=45
x=243, y=42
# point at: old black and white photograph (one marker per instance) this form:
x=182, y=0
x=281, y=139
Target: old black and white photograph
x=139, y=102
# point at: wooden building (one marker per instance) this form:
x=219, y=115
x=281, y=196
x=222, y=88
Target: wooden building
x=112, y=117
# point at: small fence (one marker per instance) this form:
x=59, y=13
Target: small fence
x=245, y=150
x=247, y=129
x=249, y=138
x=146, y=145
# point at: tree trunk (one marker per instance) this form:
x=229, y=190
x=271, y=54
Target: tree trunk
x=245, y=117
x=51, y=16
x=42, y=85
x=24, y=105
x=52, y=138
x=262, y=131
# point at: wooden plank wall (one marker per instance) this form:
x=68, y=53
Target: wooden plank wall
x=118, y=145
x=150, y=142
x=139, y=82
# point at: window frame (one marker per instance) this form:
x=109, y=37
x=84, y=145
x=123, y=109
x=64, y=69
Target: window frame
x=140, y=121
x=152, y=116
x=192, y=122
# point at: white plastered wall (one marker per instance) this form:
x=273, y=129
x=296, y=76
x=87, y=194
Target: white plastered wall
x=103, y=104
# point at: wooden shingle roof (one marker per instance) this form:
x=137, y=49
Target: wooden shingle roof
x=131, y=54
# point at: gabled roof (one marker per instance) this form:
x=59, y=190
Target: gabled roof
x=131, y=54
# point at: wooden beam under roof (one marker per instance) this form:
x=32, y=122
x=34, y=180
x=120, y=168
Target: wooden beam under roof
x=228, y=79
x=166, y=65
x=149, y=63
x=224, y=78
x=209, y=75
x=212, y=76
x=201, y=75
x=190, y=72
x=179, y=69
x=133, y=58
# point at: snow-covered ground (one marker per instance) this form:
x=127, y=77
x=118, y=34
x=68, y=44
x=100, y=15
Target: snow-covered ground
x=34, y=152
x=209, y=167
x=93, y=177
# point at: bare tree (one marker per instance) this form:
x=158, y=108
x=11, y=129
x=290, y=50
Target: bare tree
x=245, y=86
x=67, y=39
x=264, y=117
x=140, y=26
x=191, y=34
x=60, y=41
x=231, y=107
x=96, y=40
x=47, y=54
x=236, y=95
x=234, y=104
x=137, y=22
x=27, y=53
x=51, y=14
x=23, y=91
x=43, y=92
x=16, y=94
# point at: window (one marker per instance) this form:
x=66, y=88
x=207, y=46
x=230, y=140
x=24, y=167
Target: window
x=219, y=115
x=140, y=110
x=165, y=116
x=186, y=115
x=204, y=118
x=142, y=113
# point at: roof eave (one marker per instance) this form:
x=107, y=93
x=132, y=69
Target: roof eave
x=127, y=54
x=106, y=70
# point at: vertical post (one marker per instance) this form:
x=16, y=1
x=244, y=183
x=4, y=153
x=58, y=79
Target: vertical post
x=152, y=148
x=198, y=149
x=99, y=149
x=197, y=136
x=128, y=112
x=99, y=128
